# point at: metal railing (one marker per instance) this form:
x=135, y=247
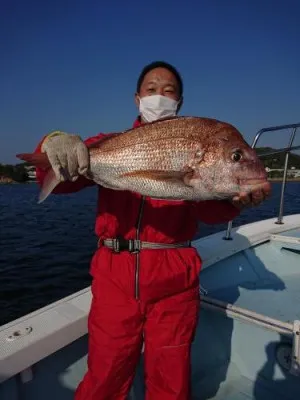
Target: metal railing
x=286, y=150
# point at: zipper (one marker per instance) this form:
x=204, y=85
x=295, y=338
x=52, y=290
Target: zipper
x=137, y=255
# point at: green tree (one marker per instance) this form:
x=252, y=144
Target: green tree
x=17, y=172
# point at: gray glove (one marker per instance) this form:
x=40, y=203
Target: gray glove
x=68, y=155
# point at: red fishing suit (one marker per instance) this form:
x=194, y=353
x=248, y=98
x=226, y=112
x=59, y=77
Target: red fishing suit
x=151, y=295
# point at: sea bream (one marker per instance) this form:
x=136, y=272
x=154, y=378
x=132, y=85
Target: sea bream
x=179, y=158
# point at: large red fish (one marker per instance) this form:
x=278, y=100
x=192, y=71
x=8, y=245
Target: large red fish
x=180, y=158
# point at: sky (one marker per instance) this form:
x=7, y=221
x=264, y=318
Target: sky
x=73, y=65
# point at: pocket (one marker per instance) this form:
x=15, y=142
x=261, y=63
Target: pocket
x=192, y=263
x=172, y=321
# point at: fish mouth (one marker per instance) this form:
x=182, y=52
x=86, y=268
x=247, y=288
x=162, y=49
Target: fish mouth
x=254, y=184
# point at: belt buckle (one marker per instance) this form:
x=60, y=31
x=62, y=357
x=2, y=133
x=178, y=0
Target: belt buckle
x=135, y=246
x=121, y=244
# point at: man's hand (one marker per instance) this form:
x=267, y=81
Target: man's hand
x=253, y=199
x=68, y=155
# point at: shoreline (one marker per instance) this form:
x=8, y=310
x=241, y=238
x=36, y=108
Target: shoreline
x=11, y=182
x=280, y=180
x=16, y=183
x=272, y=180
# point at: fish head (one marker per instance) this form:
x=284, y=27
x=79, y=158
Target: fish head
x=226, y=166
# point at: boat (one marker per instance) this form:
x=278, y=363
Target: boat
x=247, y=344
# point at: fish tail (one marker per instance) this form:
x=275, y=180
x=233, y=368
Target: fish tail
x=50, y=181
x=39, y=160
x=49, y=184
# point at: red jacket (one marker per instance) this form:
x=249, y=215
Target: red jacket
x=163, y=221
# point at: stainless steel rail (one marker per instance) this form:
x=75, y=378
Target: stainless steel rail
x=286, y=150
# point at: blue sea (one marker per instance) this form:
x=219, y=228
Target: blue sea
x=46, y=248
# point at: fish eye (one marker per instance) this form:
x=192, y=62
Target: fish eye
x=236, y=156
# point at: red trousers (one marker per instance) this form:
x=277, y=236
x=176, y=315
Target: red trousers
x=164, y=317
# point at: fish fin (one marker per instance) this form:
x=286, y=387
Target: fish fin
x=41, y=160
x=156, y=175
x=50, y=182
x=37, y=159
x=100, y=141
x=167, y=199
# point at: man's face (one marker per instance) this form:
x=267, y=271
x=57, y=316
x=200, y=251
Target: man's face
x=159, y=81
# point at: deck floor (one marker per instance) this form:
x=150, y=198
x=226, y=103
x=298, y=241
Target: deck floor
x=265, y=279
x=231, y=360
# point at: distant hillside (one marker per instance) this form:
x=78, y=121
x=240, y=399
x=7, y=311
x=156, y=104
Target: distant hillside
x=13, y=173
x=277, y=160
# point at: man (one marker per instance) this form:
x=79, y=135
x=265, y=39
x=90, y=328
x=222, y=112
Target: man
x=151, y=294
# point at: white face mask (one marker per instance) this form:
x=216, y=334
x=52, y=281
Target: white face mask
x=156, y=107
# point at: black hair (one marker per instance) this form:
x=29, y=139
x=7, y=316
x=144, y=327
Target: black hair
x=160, y=64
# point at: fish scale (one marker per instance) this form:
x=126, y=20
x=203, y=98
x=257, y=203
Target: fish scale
x=180, y=158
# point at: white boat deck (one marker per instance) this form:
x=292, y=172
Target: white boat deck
x=256, y=271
